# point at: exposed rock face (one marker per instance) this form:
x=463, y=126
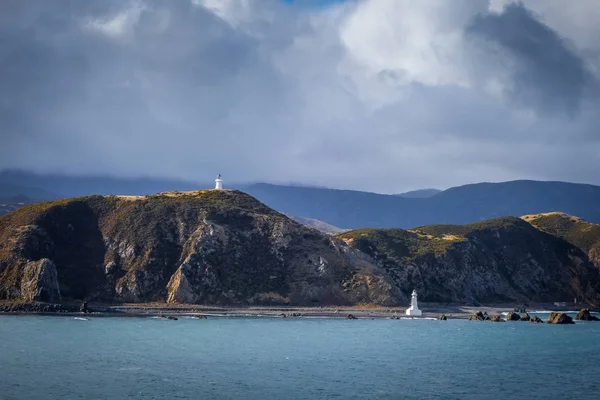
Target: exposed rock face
x=501, y=260
x=585, y=315
x=479, y=316
x=525, y=317
x=535, y=319
x=513, y=317
x=497, y=318
x=560, y=318
x=208, y=247
x=39, y=282
x=442, y=317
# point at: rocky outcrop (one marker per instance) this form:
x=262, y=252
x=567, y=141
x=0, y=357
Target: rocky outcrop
x=442, y=317
x=585, y=315
x=479, y=316
x=513, y=316
x=206, y=247
x=39, y=282
x=501, y=260
x=560, y=318
x=525, y=317
x=536, y=320
x=497, y=318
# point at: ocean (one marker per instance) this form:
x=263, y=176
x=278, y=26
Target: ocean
x=59, y=357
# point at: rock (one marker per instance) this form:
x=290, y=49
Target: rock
x=394, y=317
x=536, y=320
x=40, y=281
x=282, y=315
x=479, y=316
x=525, y=317
x=442, y=317
x=585, y=315
x=497, y=318
x=560, y=318
x=513, y=316
x=351, y=316
x=84, y=307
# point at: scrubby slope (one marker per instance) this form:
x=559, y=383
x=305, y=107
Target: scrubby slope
x=498, y=260
x=574, y=230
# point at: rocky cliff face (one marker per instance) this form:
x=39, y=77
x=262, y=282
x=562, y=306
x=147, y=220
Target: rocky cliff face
x=502, y=260
x=213, y=247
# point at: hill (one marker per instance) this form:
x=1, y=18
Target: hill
x=499, y=260
x=459, y=205
x=318, y=225
x=577, y=231
x=419, y=194
x=209, y=247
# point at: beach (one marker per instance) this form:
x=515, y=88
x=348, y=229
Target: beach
x=365, y=311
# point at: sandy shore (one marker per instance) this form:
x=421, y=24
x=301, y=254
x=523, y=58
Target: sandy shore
x=371, y=312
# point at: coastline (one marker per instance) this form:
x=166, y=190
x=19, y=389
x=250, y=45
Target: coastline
x=339, y=312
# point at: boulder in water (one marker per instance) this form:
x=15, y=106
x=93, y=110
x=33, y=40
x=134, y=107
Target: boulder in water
x=585, y=315
x=560, y=318
x=442, y=317
x=536, y=320
x=497, y=318
x=513, y=316
x=351, y=316
x=479, y=316
x=525, y=317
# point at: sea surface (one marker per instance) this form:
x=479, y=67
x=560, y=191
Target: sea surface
x=58, y=357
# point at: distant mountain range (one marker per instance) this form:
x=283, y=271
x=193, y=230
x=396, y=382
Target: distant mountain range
x=346, y=209
x=459, y=205
x=419, y=194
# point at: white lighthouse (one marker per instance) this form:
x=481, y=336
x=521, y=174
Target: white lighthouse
x=218, y=182
x=413, y=310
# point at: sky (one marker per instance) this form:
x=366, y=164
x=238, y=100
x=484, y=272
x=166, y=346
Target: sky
x=377, y=95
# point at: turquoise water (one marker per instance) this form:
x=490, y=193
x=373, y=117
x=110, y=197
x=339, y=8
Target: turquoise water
x=231, y=358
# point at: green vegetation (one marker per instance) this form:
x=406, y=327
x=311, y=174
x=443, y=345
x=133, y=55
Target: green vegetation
x=398, y=243
x=407, y=244
x=574, y=230
x=463, y=230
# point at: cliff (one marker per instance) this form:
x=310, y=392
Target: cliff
x=213, y=247
x=499, y=260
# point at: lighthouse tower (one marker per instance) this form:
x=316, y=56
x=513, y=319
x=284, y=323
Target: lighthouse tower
x=218, y=182
x=413, y=310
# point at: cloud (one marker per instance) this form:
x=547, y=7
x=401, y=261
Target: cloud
x=547, y=73
x=382, y=95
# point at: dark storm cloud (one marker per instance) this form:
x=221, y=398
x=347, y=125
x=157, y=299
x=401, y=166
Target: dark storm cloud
x=385, y=95
x=548, y=73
